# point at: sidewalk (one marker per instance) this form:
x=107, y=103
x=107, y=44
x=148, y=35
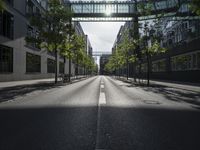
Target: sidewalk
x=11, y=84
x=180, y=85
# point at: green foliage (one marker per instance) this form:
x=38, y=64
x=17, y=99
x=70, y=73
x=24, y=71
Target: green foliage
x=52, y=26
x=124, y=53
x=1, y=5
x=155, y=48
x=195, y=6
x=146, y=8
x=79, y=49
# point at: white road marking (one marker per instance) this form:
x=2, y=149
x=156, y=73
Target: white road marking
x=102, y=98
x=102, y=101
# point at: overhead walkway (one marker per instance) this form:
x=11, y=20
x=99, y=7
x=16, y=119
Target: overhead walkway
x=101, y=53
x=93, y=10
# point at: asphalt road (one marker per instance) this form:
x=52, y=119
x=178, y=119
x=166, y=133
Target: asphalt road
x=100, y=113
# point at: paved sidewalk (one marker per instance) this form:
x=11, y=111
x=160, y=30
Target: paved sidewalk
x=180, y=85
x=11, y=84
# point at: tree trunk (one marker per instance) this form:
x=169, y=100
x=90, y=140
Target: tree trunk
x=127, y=69
x=56, y=67
x=148, y=69
x=140, y=72
x=70, y=69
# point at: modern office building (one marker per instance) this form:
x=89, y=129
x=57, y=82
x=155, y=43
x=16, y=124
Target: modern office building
x=181, y=62
x=80, y=70
x=20, y=60
x=182, y=59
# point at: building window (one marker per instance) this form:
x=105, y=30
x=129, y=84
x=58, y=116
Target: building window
x=6, y=24
x=33, y=63
x=29, y=7
x=198, y=60
x=6, y=59
x=32, y=33
x=189, y=61
x=144, y=67
x=51, y=65
x=61, y=67
x=159, y=66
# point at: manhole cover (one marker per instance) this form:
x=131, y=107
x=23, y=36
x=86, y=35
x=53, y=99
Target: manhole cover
x=151, y=102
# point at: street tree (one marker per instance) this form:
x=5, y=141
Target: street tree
x=66, y=50
x=116, y=61
x=1, y=5
x=79, y=50
x=195, y=6
x=128, y=51
x=53, y=27
x=151, y=47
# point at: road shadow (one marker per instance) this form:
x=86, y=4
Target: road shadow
x=10, y=93
x=170, y=93
x=75, y=128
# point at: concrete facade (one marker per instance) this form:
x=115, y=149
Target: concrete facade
x=19, y=11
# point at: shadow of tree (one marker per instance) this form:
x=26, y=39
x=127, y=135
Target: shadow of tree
x=10, y=93
x=170, y=93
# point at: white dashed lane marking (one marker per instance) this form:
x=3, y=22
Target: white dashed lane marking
x=102, y=102
x=102, y=96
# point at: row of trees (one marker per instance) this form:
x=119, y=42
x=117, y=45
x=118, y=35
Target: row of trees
x=54, y=32
x=134, y=50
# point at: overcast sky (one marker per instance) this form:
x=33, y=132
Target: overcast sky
x=101, y=34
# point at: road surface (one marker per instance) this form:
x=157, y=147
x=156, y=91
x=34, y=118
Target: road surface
x=100, y=113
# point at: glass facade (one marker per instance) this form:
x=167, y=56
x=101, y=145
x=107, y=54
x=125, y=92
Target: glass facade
x=33, y=63
x=189, y=61
x=6, y=24
x=6, y=59
x=101, y=8
x=61, y=67
x=144, y=67
x=51, y=64
x=159, y=66
x=120, y=6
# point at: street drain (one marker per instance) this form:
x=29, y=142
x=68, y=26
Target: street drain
x=151, y=102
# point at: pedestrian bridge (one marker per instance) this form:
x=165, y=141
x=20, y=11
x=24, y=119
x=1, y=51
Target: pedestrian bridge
x=124, y=10
x=101, y=53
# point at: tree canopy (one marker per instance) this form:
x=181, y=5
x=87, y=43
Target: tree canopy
x=1, y=5
x=195, y=6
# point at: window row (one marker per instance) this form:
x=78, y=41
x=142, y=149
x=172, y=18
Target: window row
x=190, y=61
x=102, y=8
x=6, y=24
x=33, y=62
x=184, y=62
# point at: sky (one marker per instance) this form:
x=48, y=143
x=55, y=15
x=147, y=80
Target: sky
x=101, y=34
